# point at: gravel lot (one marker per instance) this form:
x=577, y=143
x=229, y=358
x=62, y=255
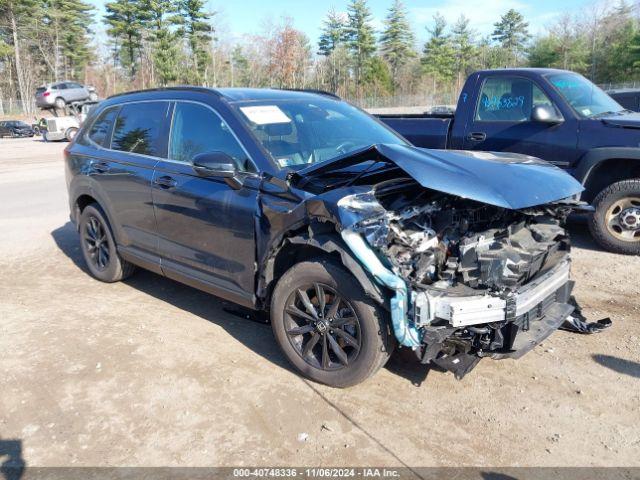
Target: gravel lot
x=150, y=372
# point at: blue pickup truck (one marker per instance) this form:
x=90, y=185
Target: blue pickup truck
x=555, y=115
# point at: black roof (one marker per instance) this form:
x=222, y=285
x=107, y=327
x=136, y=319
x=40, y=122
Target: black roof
x=240, y=94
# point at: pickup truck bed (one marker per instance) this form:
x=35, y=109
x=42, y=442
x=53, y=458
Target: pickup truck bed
x=421, y=130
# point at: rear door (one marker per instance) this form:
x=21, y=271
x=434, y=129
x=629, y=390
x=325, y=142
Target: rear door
x=501, y=121
x=60, y=90
x=205, y=226
x=129, y=141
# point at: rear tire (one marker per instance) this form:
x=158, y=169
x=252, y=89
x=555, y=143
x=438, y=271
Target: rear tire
x=342, y=345
x=613, y=225
x=99, y=247
x=59, y=103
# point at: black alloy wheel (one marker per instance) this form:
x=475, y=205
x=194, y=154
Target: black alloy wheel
x=99, y=248
x=322, y=327
x=327, y=327
x=96, y=243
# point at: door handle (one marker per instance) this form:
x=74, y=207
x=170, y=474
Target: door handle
x=477, y=136
x=165, y=182
x=101, y=167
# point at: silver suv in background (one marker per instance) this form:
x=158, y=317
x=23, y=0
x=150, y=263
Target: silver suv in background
x=59, y=94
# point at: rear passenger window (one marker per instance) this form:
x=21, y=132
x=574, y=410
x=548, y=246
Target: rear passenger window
x=138, y=128
x=101, y=128
x=197, y=129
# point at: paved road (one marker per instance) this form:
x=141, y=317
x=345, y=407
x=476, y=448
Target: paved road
x=149, y=372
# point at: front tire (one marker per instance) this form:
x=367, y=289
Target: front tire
x=327, y=327
x=99, y=247
x=70, y=134
x=615, y=225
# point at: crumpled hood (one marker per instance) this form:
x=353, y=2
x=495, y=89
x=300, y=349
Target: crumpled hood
x=629, y=120
x=505, y=180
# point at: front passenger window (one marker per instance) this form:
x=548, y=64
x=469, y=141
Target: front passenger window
x=197, y=129
x=509, y=99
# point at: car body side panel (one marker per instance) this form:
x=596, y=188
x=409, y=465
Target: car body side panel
x=206, y=227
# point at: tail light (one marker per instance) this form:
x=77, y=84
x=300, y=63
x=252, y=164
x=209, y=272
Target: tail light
x=46, y=94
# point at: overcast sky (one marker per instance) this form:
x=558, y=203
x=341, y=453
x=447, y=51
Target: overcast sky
x=247, y=16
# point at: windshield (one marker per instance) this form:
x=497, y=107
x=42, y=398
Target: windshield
x=299, y=132
x=584, y=97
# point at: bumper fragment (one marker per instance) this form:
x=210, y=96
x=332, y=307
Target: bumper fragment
x=480, y=309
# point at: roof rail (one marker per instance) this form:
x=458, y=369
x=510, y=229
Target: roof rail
x=164, y=89
x=312, y=90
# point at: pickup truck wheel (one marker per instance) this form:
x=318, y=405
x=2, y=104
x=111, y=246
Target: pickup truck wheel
x=70, y=133
x=99, y=247
x=615, y=225
x=327, y=327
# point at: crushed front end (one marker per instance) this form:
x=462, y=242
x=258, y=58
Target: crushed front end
x=469, y=279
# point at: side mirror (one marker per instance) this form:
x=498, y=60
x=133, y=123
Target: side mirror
x=545, y=114
x=214, y=164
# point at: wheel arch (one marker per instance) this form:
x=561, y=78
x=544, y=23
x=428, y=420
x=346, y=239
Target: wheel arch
x=312, y=241
x=601, y=167
x=83, y=196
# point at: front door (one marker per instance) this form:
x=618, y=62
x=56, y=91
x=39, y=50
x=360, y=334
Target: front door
x=206, y=229
x=502, y=122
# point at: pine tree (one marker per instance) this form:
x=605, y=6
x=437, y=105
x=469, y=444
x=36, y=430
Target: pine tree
x=512, y=32
x=125, y=20
x=161, y=17
x=197, y=31
x=397, y=39
x=439, y=56
x=62, y=33
x=463, y=41
x=360, y=37
x=77, y=21
x=331, y=45
x=333, y=33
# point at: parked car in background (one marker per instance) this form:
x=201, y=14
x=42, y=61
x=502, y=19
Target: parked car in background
x=627, y=97
x=16, y=129
x=558, y=116
x=59, y=94
x=305, y=207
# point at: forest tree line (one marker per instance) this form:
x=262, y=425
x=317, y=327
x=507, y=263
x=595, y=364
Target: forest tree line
x=152, y=43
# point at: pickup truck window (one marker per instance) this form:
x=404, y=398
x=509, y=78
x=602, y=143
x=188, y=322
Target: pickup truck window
x=509, y=99
x=317, y=129
x=584, y=97
x=197, y=129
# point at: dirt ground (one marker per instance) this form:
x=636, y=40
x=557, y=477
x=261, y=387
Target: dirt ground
x=152, y=373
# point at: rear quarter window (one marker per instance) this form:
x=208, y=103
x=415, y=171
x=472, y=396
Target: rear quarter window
x=138, y=128
x=100, y=131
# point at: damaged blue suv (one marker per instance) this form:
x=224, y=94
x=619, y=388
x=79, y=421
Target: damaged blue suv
x=301, y=205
